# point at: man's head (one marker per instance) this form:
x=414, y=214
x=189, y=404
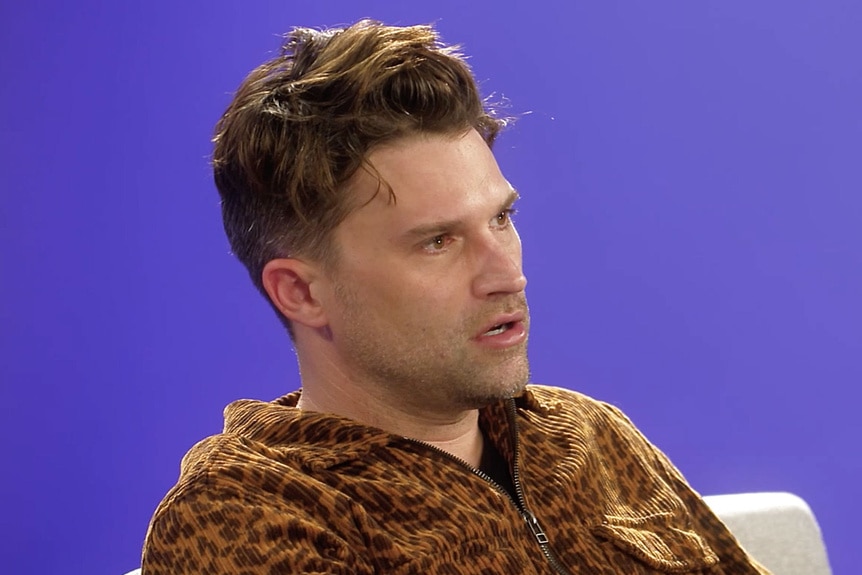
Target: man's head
x=303, y=123
x=413, y=296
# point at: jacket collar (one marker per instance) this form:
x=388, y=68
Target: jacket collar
x=314, y=440
x=319, y=441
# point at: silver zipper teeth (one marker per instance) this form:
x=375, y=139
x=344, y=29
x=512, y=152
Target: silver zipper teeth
x=519, y=503
x=529, y=517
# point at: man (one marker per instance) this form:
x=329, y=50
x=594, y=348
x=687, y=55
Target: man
x=359, y=189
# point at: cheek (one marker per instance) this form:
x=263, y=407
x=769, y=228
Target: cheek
x=417, y=304
x=388, y=294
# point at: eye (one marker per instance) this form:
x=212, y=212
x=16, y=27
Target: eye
x=437, y=244
x=504, y=218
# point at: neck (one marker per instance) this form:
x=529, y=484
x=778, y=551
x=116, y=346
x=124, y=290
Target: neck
x=327, y=387
x=456, y=433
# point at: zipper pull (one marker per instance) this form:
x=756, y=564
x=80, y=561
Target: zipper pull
x=533, y=523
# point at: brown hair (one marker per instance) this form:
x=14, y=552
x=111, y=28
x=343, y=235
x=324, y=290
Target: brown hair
x=301, y=124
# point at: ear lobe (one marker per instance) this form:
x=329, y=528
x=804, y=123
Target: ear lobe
x=287, y=282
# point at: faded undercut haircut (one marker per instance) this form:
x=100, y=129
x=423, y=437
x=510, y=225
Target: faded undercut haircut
x=301, y=124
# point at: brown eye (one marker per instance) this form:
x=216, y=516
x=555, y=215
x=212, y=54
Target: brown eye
x=504, y=218
x=437, y=243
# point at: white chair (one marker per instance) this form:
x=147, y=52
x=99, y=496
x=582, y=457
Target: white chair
x=777, y=529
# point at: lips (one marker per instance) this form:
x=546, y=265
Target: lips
x=498, y=329
x=501, y=324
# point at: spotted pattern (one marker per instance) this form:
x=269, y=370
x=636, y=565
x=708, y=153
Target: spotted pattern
x=284, y=491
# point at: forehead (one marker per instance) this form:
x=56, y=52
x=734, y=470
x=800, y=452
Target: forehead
x=432, y=176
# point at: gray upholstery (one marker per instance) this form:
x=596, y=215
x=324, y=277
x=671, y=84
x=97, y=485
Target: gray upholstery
x=777, y=529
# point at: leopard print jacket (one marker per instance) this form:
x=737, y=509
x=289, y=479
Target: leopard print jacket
x=286, y=491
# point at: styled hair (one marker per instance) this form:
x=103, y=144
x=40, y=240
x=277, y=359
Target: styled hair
x=301, y=124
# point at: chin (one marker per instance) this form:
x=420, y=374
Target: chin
x=490, y=396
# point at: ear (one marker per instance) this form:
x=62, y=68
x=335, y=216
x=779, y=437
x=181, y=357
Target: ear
x=288, y=283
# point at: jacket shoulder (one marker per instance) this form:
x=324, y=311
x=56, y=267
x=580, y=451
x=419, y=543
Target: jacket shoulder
x=234, y=497
x=550, y=400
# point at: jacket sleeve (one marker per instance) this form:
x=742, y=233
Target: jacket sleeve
x=215, y=532
x=732, y=557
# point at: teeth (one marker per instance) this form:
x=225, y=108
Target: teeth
x=497, y=330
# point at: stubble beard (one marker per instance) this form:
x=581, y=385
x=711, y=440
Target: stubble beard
x=439, y=371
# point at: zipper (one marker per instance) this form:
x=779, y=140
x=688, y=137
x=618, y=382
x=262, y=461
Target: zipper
x=518, y=501
x=526, y=514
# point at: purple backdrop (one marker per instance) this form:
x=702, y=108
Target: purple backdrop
x=691, y=217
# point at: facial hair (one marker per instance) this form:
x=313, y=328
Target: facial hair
x=424, y=364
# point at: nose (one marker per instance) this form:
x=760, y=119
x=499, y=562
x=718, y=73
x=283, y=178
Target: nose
x=498, y=265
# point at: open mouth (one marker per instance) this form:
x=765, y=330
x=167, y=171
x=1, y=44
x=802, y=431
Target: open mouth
x=498, y=329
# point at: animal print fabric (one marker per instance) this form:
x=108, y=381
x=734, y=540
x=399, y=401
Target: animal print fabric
x=288, y=491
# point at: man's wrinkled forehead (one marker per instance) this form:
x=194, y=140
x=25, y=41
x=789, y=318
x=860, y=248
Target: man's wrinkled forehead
x=379, y=178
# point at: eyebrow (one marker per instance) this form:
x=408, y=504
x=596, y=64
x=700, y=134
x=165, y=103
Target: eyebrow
x=433, y=228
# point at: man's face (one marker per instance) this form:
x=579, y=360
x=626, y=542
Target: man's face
x=428, y=304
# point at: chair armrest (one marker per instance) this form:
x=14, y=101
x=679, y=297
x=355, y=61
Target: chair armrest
x=778, y=529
